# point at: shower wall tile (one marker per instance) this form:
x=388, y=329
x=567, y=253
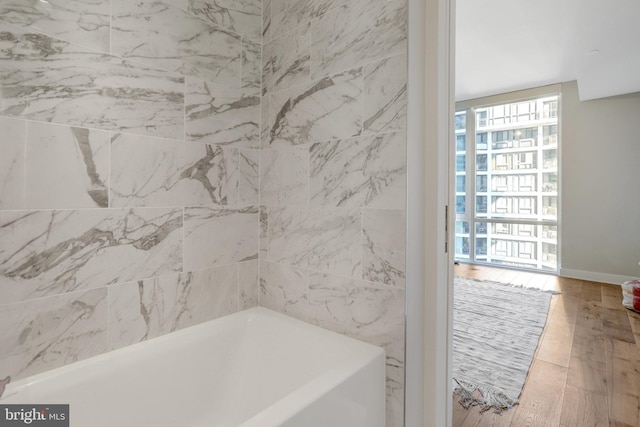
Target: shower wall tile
x=243, y=17
x=286, y=61
x=214, y=237
x=321, y=239
x=47, y=333
x=360, y=310
x=12, y=147
x=66, y=167
x=148, y=171
x=179, y=4
x=325, y=109
x=333, y=171
x=360, y=31
x=248, y=176
x=145, y=309
x=264, y=231
x=284, y=178
x=148, y=308
x=368, y=171
x=265, y=129
x=83, y=22
x=214, y=114
x=120, y=119
x=284, y=289
x=226, y=283
x=251, y=67
x=248, y=284
x=287, y=15
x=45, y=253
x=395, y=394
x=50, y=80
x=163, y=36
x=266, y=20
x=385, y=95
x=383, y=246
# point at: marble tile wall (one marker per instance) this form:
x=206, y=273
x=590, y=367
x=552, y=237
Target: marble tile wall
x=333, y=171
x=165, y=162
x=129, y=176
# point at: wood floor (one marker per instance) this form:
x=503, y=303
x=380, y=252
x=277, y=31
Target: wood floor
x=586, y=371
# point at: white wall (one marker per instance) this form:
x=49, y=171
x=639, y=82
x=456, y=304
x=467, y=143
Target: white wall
x=600, y=182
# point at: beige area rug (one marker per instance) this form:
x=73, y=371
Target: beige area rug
x=496, y=329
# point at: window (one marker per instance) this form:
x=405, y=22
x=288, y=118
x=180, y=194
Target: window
x=509, y=200
x=461, y=163
x=461, y=120
x=481, y=141
x=481, y=162
x=482, y=118
x=550, y=135
x=481, y=183
x=550, y=109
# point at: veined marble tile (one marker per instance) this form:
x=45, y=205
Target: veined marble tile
x=216, y=237
x=46, y=253
x=248, y=176
x=367, y=171
x=395, y=395
x=226, y=289
x=213, y=294
x=54, y=81
x=321, y=239
x=284, y=176
x=286, y=61
x=216, y=115
x=180, y=4
x=243, y=17
x=148, y=171
x=12, y=147
x=163, y=36
x=359, y=310
x=329, y=108
x=152, y=307
x=266, y=19
x=83, y=22
x=47, y=333
x=67, y=167
x=284, y=289
x=287, y=15
x=264, y=231
x=385, y=95
x=248, y=283
x=264, y=122
x=383, y=246
x=358, y=32
x=251, y=67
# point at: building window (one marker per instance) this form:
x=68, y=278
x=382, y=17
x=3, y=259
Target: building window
x=514, y=183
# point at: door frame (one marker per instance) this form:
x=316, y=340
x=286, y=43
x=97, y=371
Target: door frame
x=430, y=111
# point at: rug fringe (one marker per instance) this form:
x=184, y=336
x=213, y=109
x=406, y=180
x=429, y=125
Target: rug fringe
x=490, y=398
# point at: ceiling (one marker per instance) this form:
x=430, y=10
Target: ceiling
x=507, y=45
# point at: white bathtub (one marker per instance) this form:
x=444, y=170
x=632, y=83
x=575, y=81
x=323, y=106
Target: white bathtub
x=255, y=368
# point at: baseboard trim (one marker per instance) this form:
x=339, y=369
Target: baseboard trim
x=594, y=276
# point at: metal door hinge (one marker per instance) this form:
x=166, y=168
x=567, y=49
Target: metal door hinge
x=446, y=229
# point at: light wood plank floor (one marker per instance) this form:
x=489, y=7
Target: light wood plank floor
x=586, y=371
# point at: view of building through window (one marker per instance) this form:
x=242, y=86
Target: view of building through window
x=507, y=184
